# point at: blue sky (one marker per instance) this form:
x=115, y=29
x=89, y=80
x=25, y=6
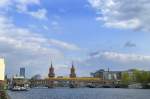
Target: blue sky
x=95, y=34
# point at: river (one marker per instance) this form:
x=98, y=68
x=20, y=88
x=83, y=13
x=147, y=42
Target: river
x=81, y=93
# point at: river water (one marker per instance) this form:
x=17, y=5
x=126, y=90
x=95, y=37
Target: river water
x=81, y=93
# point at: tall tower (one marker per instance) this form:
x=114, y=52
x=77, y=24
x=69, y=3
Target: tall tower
x=72, y=72
x=51, y=71
x=22, y=71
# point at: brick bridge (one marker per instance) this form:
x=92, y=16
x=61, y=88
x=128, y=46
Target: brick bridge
x=80, y=81
x=52, y=81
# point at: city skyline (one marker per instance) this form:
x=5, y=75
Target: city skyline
x=95, y=34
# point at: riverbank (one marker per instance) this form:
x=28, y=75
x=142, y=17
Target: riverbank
x=137, y=86
x=3, y=90
x=4, y=95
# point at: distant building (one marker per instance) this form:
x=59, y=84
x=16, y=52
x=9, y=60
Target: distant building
x=98, y=74
x=112, y=75
x=107, y=75
x=2, y=69
x=37, y=77
x=22, y=72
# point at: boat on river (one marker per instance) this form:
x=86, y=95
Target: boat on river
x=19, y=83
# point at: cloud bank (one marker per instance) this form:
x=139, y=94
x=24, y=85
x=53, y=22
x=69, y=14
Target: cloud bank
x=22, y=6
x=123, y=14
x=114, y=61
x=22, y=47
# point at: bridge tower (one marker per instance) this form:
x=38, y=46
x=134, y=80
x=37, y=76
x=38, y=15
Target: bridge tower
x=51, y=71
x=73, y=84
x=72, y=72
x=51, y=74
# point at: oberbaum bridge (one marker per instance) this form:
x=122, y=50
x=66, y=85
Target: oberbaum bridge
x=72, y=81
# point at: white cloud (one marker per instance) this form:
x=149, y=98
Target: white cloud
x=56, y=26
x=126, y=14
x=113, y=60
x=63, y=45
x=4, y=3
x=122, y=57
x=45, y=27
x=22, y=47
x=26, y=2
x=39, y=14
x=22, y=7
x=54, y=23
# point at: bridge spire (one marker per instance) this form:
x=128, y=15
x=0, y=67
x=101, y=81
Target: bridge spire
x=51, y=71
x=51, y=64
x=72, y=71
x=72, y=64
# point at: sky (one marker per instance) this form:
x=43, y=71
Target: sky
x=94, y=34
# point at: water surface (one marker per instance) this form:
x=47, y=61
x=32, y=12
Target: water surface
x=82, y=93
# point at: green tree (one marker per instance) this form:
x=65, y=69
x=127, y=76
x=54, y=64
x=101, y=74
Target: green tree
x=145, y=77
x=141, y=76
x=125, y=78
x=137, y=76
x=149, y=78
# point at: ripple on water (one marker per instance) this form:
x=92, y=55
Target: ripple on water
x=84, y=93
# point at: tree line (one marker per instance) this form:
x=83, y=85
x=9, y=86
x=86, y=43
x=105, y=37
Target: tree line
x=136, y=76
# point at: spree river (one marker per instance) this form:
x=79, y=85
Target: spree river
x=81, y=93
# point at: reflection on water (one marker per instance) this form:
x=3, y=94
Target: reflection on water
x=84, y=93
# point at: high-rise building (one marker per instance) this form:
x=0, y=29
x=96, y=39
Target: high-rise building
x=2, y=69
x=22, y=71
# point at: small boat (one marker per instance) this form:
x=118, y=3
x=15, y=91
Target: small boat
x=19, y=84
x=90, y=86
x=107, y=86
x=18, y=88
x=73, y=86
